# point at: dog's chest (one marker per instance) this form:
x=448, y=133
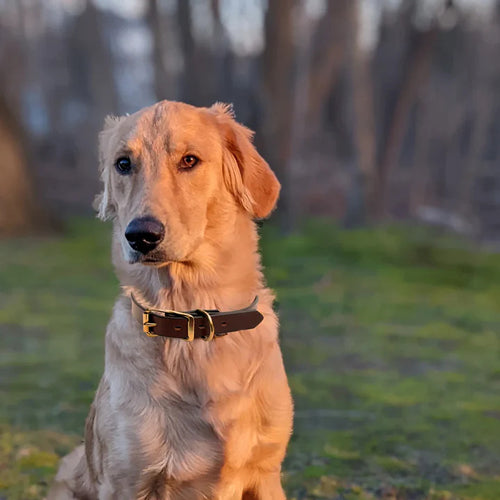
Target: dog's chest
x=167, y=428
x=175, y=410
x=179, y=441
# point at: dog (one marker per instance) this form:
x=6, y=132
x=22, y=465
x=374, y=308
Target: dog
x=175, y=419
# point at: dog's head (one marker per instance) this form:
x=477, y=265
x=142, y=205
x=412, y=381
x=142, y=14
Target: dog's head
x=171, y=172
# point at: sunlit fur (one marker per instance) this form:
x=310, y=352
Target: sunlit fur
x=176, y=420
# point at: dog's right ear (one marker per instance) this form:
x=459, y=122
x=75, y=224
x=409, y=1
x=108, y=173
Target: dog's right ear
x=103, y=201
x=247, y=174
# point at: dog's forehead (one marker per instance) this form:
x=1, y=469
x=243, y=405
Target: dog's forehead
x=171, y=126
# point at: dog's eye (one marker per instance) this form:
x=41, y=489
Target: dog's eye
x=123, y=165
x=189, y=161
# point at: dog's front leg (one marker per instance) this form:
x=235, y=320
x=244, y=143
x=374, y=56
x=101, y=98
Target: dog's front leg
x=268, y=487
x=72, y=479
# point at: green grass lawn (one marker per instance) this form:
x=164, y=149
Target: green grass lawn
x=391, y=339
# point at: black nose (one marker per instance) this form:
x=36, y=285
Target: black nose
x=144, y=234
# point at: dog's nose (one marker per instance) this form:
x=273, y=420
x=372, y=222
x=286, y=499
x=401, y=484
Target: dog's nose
x=144, y=234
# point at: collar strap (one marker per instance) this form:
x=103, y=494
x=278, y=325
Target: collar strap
x=205, y=324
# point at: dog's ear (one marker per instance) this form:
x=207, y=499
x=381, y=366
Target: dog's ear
x=246, y=173
x=103, y=201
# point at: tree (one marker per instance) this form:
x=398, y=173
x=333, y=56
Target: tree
x=161, y=78
x=363, y=171
x=20, y=210
x=416, y=67
x=277, y=84
x=332, y=43
x=189, y=81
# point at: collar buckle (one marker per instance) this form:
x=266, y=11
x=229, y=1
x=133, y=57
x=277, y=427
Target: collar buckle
x=147, y=324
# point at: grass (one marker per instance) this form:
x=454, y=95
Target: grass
x=390, y=337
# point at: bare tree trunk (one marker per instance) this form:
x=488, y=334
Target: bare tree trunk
x=189, y=80
x=420, y=169
x=453, y=117
x=334, y=35
x=20, y=212
x=91, y=70
x=483, y=104
x=362, y=183
x=94, y=49
x=417, y=70
x=365, y=120
x=277, y=78
x=223, y=62
x=156, y=25
x=299, y=122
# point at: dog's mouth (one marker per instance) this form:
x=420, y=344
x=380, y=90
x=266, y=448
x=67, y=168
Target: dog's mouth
x=154, y=259
x=155, y=263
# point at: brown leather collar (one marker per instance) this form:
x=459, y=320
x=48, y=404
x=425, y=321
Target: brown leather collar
x=205, y=324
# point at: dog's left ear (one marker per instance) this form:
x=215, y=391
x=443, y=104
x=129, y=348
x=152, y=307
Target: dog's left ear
x=246, y=173
x=103, y=201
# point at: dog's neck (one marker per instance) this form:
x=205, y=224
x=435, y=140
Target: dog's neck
x=223, y=273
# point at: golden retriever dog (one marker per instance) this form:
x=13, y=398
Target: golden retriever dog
x=173, y=419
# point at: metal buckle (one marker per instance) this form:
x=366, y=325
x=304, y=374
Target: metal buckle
x=190, y=320
x=211, y=334
x=146, y=324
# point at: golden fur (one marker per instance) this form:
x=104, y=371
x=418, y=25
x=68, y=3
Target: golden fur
x=173, y=420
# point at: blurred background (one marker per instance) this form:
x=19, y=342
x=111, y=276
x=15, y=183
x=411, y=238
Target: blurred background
x=365, y=108
x=381, y=119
